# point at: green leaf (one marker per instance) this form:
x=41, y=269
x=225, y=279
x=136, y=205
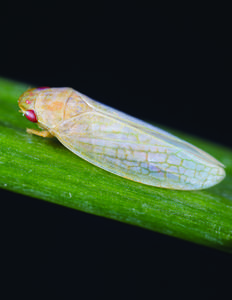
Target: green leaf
x=45, y=169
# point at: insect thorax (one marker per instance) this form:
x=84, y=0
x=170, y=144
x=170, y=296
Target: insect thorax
x=57, y=105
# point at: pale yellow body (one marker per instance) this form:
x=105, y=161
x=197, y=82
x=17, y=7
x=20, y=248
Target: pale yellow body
x=120, y=144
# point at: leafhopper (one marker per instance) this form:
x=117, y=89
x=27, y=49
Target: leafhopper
x=117, y=142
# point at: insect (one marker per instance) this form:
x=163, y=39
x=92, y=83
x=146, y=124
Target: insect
x=117, y=142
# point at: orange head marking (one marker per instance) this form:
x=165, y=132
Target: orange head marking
x=27, y=99
x=55, y=106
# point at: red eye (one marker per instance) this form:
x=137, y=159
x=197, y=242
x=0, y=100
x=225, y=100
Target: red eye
x=31, y=116
x=43, y=87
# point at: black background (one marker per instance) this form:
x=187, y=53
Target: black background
x=170, y=66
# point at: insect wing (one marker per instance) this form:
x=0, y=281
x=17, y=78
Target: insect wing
x=129, y=149
x=150, y=129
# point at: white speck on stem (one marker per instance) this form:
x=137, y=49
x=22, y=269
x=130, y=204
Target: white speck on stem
x=5, y=184
x=70, y=195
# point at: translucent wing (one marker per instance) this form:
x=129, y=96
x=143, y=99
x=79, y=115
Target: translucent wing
x=138, y=151
x=150, y=129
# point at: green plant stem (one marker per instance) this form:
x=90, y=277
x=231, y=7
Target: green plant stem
x=45, y=169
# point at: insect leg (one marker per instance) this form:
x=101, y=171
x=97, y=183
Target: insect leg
x=44, y=133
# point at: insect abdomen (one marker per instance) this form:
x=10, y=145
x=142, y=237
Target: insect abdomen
x=126, y=151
